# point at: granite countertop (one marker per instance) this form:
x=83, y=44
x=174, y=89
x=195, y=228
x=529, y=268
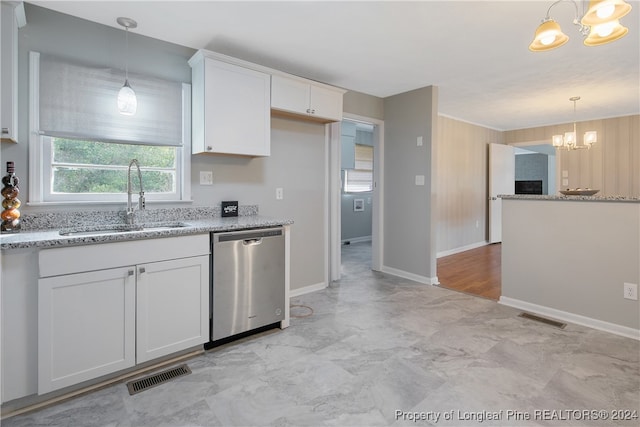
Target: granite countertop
x=50, y=238
x=570, y=198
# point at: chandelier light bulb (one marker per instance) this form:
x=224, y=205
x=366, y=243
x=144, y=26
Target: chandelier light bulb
x=604, y=30
x=605, y=11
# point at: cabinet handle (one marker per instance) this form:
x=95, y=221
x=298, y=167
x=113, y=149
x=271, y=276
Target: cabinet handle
x=209, y=148
x=130, y=273
x=308, y=110
x=5, y=131
x=313, y=111
x=142, y=270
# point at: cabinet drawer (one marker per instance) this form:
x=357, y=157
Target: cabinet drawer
x=76, y=259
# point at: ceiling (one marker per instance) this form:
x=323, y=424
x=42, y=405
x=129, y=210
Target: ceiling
x=476, y=52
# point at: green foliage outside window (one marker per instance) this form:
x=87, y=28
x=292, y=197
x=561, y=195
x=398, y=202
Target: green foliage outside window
x=99, y=167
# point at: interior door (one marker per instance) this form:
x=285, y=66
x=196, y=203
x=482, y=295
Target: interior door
x=502, y=166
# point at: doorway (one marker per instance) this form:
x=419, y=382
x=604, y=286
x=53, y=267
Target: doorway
x=356, y=195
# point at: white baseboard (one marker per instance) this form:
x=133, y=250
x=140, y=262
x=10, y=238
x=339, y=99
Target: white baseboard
x=406, y=275
x=462, y=249
x=307, y=289
x=357, y=239
x=589, y=322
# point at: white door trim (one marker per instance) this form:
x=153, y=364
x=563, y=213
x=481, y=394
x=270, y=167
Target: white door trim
x=377, y=231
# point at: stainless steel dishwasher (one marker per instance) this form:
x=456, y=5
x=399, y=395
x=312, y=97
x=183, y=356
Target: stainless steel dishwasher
x=248, y=281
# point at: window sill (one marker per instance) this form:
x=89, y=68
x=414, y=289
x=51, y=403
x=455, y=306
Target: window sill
x=109, y=203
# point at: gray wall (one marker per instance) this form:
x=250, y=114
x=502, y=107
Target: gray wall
x=409, y=226
x=533, y=167
x=552, y=262
x=357, y=225
x=297, y=162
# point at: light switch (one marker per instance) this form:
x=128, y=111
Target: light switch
x=279, y=193
x=565, y=174
x=419, y=141
x=565, y=182
x=419, y=179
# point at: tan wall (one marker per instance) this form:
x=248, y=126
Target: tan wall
x=461, y=182
x=363, y=105
x=612, y=165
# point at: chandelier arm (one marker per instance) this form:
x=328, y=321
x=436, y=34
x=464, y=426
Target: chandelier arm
x=583, y=29
x=575, y=5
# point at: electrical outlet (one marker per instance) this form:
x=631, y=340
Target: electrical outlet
x=206, y=177
x=631, y=291
x=279, y=193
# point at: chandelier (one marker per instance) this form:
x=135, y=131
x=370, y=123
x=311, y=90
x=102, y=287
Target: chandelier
x=599, y=24
x=568, y=141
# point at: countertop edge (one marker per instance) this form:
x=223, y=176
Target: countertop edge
x=609, y=199
x=43, y=239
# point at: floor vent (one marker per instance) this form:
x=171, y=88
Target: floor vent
x=544, y=320
x=153, y=380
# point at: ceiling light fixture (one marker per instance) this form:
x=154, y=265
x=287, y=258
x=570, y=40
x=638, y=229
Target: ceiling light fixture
x=599, y=24
x=569, y=141
x=127, y=101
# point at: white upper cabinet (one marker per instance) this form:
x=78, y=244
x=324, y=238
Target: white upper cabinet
x=231, y=108
x=12, y=19
x=301, y=97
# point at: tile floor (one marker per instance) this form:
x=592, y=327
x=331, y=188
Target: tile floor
x=374, y=345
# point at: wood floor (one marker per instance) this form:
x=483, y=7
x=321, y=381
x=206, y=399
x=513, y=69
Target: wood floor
x=476, y=271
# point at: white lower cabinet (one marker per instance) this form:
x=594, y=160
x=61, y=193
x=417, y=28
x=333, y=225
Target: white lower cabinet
x=86, y=326
x=98, y=322
x=172, y=306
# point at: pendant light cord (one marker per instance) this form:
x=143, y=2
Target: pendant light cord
x=126, y=52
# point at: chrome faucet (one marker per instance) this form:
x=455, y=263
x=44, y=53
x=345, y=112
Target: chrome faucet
x=141, y=202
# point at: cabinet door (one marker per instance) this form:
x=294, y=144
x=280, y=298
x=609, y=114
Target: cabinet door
x=326, y=103
x=289, y=95
x=237, y=118
x=86, y=326
x=172, y=306
x=9, y=72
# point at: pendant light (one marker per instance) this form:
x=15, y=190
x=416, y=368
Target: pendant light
x=127, y=101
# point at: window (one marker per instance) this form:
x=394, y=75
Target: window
x=81, y=147
x=360, y=179
x=83, y=168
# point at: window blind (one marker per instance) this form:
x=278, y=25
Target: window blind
x=360, y=179
x=79, y=101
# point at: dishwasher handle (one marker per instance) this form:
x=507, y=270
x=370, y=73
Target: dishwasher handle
x=252, y=242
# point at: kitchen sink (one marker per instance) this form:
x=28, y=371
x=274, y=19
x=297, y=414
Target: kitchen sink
x=121, y=228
